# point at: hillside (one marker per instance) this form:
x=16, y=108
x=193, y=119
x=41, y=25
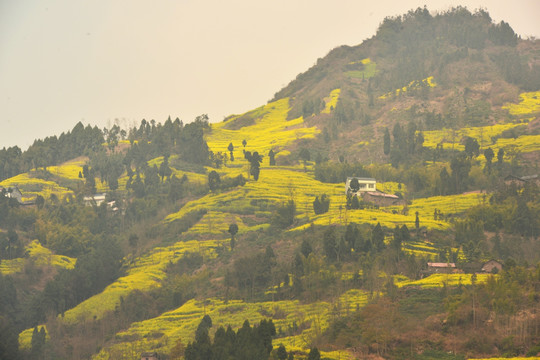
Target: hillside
x=248, y=223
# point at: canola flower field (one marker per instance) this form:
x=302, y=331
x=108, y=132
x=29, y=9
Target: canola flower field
x=369, y=70
x=528, y=106
x=277, y=184
x=162, y=332
x=484, y=135
x=271, y=130
x=31, y=186
x=40, y=255
x=331, y=101
x=144, y=273
x=440, y=280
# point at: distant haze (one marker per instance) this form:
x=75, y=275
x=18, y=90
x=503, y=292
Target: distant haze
x=64, y=61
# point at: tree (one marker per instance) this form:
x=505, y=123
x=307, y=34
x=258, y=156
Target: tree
x=255, y=164
x=500, y=156
x=330, y=244
x=460, y=166
x=281, y=352
x=213, y=180
x=417, y=223
x=233, y=230
x=244, y=143
x=13, y=238
x=38, y=341
x=305, y=156
x=306, y=248
x=354, y=185
x=133, y=241
x=164, y=169
x=377, y=237
x=488, y=154
x=472, y=148
x=271, y=156
x=283, y=216
x=9, y=341
x=314, y=354
x=231, y=149
x=40, y=201
x=386, y=146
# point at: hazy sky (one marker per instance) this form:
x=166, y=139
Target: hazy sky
x=64, y=61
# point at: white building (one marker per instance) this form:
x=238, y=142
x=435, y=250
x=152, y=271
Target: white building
x=365, y=184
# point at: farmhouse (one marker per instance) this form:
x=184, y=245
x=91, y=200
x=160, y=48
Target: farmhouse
x=440, y=268
x=521, y=181
x=382, y=199
x=364, y=184
x=94, y=199
x=492, y=267
x=12, y=193
x=149, y=356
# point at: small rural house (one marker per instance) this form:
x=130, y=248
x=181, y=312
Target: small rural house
x=12, y=193
x=365, y=184
x=382, y=199
x=94, y=199
x=440, y=268
x=492, y=267
x=521, y=181
x=149, y=356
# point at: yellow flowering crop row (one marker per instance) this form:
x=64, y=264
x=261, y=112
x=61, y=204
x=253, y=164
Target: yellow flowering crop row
x=529, y=104
x=31, y=187
x=12, y=266
x=440, y=280
x=38, y=254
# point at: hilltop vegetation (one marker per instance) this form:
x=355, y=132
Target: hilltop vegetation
x=239, y=238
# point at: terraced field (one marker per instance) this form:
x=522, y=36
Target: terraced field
x=40, y=255
x=529, y=104
x=267, y=129
x=162, y=332
x=487, y=136
x=144, y=273
x=440, y=280
x=32, y=186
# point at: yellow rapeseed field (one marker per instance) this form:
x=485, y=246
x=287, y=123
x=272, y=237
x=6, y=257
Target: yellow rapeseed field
x=40, y=255
x=161, y=333
x=31, y=187
x=271, y=130
x=331, y=101
x=529, y=104
x=440, y=280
